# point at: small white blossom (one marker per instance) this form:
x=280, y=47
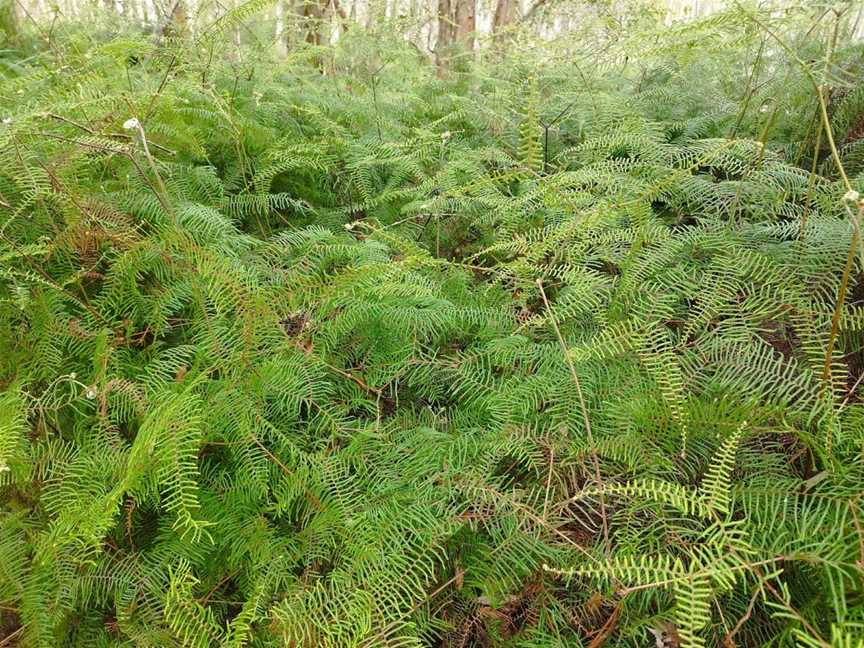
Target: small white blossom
x=131, y=124
x=349, y=226
x=445, y=135
x=90, y=393
x=73, y=375
x=7, y=120
x=851, y=196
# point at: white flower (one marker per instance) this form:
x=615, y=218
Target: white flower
x=73, y=375
x=7, y=120
x=851, y=196
x=445, y=135
x=348, y=226
x=90, y=393
x=131, y=124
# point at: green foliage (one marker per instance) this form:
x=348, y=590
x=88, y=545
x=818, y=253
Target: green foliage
x=276, y=369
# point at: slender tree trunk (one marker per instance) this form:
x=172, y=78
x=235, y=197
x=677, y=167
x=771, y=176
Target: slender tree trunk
x=343, y=17
x=313, y=17
x=533, y=9
x=505, y=14
x=176, y=24
x=10, y=24
x=466, y=22
x=132, y=9
x=145, y=11
x=445, y=34
x=279, y=20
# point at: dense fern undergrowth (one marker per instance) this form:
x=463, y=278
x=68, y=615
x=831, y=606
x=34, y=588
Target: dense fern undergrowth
x=561, y=348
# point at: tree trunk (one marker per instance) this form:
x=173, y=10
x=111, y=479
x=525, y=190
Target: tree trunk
x=281, y=42
x=466, y=23
x=457, y=22
x=10, y=25
x=237, y=52
x=176, y=24
x=445, y=34
x=343, y=17
x=505, y=14
x=313, y=14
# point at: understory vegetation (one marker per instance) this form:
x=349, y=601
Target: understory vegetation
x=557, y=344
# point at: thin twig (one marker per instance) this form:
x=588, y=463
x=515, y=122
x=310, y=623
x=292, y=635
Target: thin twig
x=728, y=640
x=606, y=631
x=549, y=479
x=7, y=640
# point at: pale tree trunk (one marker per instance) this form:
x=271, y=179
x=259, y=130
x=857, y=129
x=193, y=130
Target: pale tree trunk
x=376, y=11
x=343, y=17
x=281, y=43
x=235, y=36
x=145, y=11
x=413, y=12
x=236, y=52
x=176, y=24
x=132, y=8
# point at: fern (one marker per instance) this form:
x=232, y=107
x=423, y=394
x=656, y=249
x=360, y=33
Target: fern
x=287, y=376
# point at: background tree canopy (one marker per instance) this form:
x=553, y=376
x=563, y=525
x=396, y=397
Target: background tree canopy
x=363, y=326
